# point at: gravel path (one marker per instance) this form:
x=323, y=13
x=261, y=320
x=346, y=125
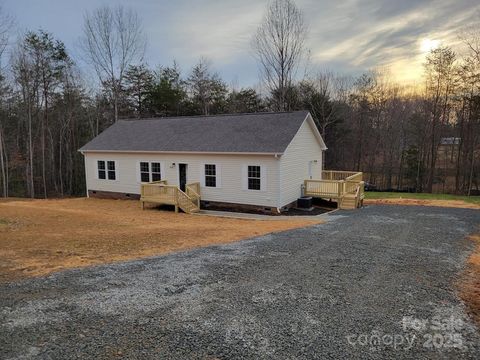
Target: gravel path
x=376, y=283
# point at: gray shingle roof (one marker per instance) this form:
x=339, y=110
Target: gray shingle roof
x=243, y=133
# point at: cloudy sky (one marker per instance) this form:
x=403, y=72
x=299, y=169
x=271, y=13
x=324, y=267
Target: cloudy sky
x=348, y=36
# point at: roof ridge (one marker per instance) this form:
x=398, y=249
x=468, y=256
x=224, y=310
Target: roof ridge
x=215, y=115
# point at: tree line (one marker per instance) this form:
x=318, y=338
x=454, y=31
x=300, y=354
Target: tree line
x=425, y=138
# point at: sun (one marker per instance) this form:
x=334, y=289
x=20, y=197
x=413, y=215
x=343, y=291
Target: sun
x=427, y=45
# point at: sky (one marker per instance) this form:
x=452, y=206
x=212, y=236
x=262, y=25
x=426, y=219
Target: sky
x=345, y=36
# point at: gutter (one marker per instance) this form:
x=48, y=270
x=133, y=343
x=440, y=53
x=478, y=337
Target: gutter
x=275, y=154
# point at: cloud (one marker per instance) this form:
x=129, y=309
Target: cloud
x=219, y=30
x=349, y=35
x=388, y=33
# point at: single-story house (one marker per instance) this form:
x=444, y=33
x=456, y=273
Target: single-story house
x=257, y=161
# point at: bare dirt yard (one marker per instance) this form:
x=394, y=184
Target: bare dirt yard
x=470, y=282
x=38, y=237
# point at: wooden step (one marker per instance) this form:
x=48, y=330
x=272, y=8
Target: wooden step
x=348, y=202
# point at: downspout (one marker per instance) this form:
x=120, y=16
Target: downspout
x=279, y=175
x=323, y=164
x=86, y=172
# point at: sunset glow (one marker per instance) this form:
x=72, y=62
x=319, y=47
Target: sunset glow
x=426, y=45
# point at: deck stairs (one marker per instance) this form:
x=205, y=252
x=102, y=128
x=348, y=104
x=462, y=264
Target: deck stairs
x=352, y=200
x=186, y=203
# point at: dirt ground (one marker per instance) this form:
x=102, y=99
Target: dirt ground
x=470, y=283
x=424, y=202
x=38, y=237
x=360, y=274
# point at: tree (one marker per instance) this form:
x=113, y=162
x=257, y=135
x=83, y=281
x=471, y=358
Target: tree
x=49, y=59
x=440, y=84
x=245, y=101
x=317, y=96
x=6, y=23
x=169, y=92
x=28, y=81
x=112, y=40
x=279, y=47
x=208, y=91
x=138, y=85
x=469, y=119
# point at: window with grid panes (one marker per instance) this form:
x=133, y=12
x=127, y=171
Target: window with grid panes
x=254, y=177
x=210, y=175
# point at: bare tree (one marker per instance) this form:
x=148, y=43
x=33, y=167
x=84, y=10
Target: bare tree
x=112, y=40
x=328, y=93
x=48, y=59
x=28, y=82
x=6, y=22
x=440, y=85
x=279, y=45
x=469, y=119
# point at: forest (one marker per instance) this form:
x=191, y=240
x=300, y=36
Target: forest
x=422, y=138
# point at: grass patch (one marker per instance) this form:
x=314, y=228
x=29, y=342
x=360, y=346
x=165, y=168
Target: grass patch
x=421, y=196
x=3, y=222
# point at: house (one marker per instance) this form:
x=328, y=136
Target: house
x=254, y=161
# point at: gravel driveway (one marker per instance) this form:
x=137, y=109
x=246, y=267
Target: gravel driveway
x=377, y=283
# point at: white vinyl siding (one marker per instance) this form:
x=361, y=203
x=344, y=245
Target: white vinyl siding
x=228, y=168
x=302, y=159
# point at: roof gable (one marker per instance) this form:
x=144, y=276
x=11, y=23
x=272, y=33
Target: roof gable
x=240, y=133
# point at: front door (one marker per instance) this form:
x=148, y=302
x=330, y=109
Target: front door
x=182, y=175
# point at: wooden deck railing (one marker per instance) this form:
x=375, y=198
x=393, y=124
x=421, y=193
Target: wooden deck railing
x=350, y=187
x=193, y=191
x=337, y=185
x=357, y=177
x=337, y=175
x=159, y=192
x=156, y=188
x=323, y=187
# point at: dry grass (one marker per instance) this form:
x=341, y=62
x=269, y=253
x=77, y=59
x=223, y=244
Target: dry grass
x=424, y=202
x=470, y=283
x=38, y=237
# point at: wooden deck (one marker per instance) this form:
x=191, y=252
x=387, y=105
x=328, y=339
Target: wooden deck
x=159, y=192
x=344, y=187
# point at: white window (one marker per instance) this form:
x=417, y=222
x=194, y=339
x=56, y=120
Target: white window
x=210, y=175
x=155, y=171
x=254, y=177
x=150, y=171
x=106, y=170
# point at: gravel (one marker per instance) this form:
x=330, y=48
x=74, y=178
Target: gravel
x=378, y=283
